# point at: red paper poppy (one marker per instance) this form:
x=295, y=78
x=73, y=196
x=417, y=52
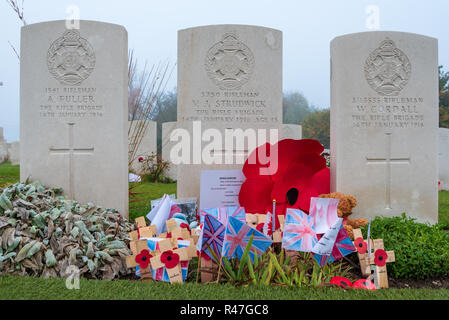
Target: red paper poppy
x=360, y=245
x=143, y=258
x=364, y=284
x=380, y=257
x=170, y=259
x=140, y=159
x=301, y=173
x=341, y=282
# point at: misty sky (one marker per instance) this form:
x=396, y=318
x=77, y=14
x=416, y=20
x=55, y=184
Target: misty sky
x=307, y=26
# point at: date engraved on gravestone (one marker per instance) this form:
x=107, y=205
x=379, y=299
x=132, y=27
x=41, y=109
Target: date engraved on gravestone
x=387, y=69
x=229, y=63
x=71, y=58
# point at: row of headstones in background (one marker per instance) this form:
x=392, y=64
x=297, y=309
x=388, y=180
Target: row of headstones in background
x=443, y=153
x=9, y=151
x=384, y=109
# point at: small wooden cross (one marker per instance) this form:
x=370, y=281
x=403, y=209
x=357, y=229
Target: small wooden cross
x=174, y=273
x=143, y=231
x=253, y=220
x=131, y=261
x=368, y=265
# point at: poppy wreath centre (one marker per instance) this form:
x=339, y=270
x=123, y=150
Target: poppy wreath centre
x=300, y=172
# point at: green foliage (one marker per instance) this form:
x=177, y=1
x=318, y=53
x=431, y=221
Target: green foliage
x=295, y=108
x=154, y=169
x=443, y=209
x=277, y=269
x=421, y=250
x=317, y=126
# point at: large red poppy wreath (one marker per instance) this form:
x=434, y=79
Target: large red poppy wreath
x=301, y=174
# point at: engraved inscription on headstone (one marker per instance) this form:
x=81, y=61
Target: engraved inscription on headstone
x=73, y=110
x=384, y=122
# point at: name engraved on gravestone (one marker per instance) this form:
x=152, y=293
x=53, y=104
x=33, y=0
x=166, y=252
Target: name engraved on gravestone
x=71, y=59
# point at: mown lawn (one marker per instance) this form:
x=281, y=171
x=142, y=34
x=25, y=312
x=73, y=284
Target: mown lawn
x=35, y=288
x=14, y=287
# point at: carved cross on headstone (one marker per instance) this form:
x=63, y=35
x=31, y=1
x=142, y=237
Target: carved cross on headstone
x=71, y=150
x=388, y=160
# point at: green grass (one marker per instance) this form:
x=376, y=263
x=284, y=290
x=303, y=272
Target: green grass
x=144, y=193
x=34, y=288
x=9, y=173
x=443, y=208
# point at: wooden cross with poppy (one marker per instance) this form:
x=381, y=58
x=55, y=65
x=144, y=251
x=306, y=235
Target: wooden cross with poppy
x=170, y=258
x=175, y=233
x=143, y=231
x=257, y=220
x=141, y=257
x=373, y=265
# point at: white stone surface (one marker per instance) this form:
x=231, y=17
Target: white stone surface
x=384, y=123
x=14, y=153
x=147, y=135
x=443, y=156
x=291, y=131
x=229, y=76
x=73, y=112
x=167, y=128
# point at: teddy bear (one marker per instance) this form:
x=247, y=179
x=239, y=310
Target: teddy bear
x=344, y=210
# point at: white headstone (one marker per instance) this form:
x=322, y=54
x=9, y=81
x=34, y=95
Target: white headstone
x=229, y=76
x=145, y=135
x=14, y=153
x=384, y=123
x=3, y=147
x=73, y=112
x=443, y=156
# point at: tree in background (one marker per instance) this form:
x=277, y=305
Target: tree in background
x=165, y=111
x=295, y=108
x=443, y=93
x=317, y=126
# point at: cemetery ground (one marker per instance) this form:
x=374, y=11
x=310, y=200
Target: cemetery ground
x=15, y=287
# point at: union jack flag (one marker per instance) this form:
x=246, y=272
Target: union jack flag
x=222, y=214
x=299, y=231
x=342, y=247
x=236, y=239
x=212, y=236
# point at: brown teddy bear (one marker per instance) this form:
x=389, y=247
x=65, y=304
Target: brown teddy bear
x=344, y=209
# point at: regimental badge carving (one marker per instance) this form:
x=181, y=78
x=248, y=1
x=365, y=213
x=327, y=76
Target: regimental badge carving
x=229, y=63
x=71, y=59
x=387, y=69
